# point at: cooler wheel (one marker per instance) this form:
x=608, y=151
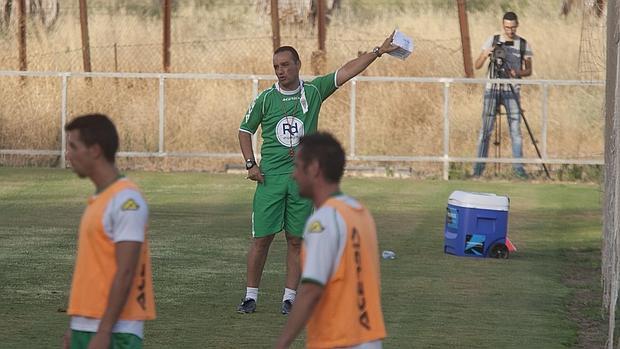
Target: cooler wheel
x=499, y=250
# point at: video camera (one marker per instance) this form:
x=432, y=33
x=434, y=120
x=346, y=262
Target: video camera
x=498, y=59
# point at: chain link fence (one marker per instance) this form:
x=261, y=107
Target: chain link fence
x=235, y=37
x=232, y=37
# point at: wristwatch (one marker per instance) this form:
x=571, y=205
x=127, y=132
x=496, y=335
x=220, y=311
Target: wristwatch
x=376, y=51
x=249, y=163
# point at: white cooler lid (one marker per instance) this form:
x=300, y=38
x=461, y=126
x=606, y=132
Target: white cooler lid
x=487, y=201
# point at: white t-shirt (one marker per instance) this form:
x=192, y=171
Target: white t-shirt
x=513, y=55
x=325, y=237
x=513, y=51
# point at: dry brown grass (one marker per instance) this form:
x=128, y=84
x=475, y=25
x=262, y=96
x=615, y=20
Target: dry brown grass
x=392, y=118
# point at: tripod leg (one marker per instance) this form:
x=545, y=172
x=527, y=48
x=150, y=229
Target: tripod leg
x=498, y=130
x=529, y=130
x=488, y=119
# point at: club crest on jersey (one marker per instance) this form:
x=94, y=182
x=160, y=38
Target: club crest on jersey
x=289, y=130
x=130, y=205
x=316, y=227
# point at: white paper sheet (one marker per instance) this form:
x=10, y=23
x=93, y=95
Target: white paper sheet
x=404, y=43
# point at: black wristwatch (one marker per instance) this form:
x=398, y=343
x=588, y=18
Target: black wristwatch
x=249, y=163
x=377, y=51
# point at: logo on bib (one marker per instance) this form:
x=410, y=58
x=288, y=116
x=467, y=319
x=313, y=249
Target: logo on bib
x=289, y=130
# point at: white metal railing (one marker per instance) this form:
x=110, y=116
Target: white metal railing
x=445, y=158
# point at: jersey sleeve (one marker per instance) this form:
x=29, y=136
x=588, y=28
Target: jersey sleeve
x=488, y=43
x=326, y=84
x=254, y=115
x=324, y=241
x=126, y=217
x=528, y=50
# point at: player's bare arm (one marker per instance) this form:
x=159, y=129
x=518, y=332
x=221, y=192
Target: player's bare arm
x=482, y=58
x=308, y=296
x=127, y=256
x=527, y=70
x=357, y=65
x=245, y=141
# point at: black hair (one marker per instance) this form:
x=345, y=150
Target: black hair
x=326, y=149
x=511, y=16
x=96, y=129
x=288, y=49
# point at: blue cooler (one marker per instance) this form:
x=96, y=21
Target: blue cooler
x=476, y=225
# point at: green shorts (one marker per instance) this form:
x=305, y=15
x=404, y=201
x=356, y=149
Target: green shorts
x=80, y=340
x=277, y=205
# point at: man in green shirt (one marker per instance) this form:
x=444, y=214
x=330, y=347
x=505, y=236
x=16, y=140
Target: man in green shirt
x=286, y=111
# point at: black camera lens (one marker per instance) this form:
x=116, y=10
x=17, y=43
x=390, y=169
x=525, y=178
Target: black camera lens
x=499, y=52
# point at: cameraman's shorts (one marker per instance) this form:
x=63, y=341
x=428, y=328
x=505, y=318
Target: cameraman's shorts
x=277, y=205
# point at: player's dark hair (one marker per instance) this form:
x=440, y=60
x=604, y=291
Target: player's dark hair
x=326, y=149
x=288, y=49
x=96, y=129
x=511, y=16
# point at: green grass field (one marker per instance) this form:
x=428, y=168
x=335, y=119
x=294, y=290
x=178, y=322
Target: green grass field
x=547, y=295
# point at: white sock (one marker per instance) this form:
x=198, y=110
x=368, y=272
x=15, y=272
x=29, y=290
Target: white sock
x=251, y=292
x=289, y=295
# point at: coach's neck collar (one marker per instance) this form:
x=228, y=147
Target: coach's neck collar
x=302, y=94
x=287, y=92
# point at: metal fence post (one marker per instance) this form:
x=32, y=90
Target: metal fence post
x=545, y=121
x=446, y=131
x=352, y=118
x=63, y=121
x=162, y=113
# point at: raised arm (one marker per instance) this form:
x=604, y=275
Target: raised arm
x=357, y=65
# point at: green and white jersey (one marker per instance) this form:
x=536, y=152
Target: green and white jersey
x=285, y=116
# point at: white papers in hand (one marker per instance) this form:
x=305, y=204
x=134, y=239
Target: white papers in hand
x=404, y=43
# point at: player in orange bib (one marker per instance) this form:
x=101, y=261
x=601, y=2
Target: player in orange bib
x=112, y=288
x=339, y=298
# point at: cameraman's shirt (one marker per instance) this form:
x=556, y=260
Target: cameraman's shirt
x=513, y=53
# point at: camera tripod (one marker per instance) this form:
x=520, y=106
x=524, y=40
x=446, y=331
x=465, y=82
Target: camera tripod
x=498, y=70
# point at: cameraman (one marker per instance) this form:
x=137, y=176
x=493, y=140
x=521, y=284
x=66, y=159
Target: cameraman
x=511, y=58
